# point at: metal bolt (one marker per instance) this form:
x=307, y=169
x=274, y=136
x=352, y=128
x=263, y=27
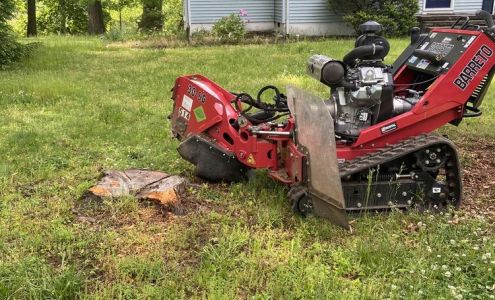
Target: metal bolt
x=409, y=202
x=427, y=150
x=404, y=194
x=433, y=156
x=379, y=195
x=359, y=205
x=438, y=161
x=427, y=162
x=439, y=150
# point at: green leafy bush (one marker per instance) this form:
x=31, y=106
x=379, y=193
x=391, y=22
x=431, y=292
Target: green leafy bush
x=230, y=28
x=63, y=17
x=152, y=17
x=174, y=21
x=10, y=50
x=396, y=16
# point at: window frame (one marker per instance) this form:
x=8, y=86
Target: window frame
x=450, y=8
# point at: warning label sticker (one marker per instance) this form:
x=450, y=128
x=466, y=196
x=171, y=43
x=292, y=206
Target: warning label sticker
x=199, y=114
x=187, y=103
x=423, y=64
x=251, y=160
x=388, y=128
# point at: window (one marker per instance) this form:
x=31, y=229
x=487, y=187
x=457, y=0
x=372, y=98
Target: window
x=438, y=4
x=487, y=5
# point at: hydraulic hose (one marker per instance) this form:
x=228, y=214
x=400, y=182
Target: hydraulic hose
x=280, y=105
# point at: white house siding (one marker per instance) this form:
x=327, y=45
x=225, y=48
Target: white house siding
x=311, y=11
x=280, y=11
x=210, y=11
x=460, y=7
x=304, y=17
x=467, y=6
x=314, y=17
x=205, y=13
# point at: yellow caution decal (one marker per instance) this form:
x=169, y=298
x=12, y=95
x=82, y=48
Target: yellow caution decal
x=251, y=160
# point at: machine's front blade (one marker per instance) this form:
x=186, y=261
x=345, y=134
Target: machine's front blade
x=315, y=135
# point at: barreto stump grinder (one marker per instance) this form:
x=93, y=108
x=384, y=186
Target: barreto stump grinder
x=370, y=145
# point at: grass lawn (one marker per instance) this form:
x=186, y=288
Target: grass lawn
x=78, y=106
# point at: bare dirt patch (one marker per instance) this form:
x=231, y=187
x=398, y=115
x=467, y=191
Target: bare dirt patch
x=478, y=172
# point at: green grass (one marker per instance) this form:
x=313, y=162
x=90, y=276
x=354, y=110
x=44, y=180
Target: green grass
x=77, y=107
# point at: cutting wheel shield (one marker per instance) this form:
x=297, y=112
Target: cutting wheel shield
x=315, y=136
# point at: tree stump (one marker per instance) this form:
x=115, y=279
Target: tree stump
x=156, y=186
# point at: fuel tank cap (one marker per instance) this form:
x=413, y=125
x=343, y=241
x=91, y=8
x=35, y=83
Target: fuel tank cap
x=370, y=27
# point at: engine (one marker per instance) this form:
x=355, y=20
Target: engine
x=361, y=86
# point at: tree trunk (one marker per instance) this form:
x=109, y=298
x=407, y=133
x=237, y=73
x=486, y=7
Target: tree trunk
x=63, y=17
x=96, y=24
x=31, y=14
x=152, y=17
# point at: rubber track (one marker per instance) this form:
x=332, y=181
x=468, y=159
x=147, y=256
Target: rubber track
x=403, y=149
x=391, y=153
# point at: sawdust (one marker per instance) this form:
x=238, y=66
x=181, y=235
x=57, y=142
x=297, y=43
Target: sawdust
x=478, y=176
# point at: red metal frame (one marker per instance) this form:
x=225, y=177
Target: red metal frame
x=219, y=114
x=442, y=103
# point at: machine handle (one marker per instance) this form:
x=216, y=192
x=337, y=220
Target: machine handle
x=466, y=22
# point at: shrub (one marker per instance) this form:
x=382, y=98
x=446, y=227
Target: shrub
x=10, y=50
x=230, y=28
x=51, y=13
x=172, y=10
x=396, y=16
x=152, y=17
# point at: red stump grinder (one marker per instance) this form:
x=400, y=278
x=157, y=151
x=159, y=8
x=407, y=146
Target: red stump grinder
x=370, y=145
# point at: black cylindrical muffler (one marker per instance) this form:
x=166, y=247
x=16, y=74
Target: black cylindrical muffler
x=326, y=70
